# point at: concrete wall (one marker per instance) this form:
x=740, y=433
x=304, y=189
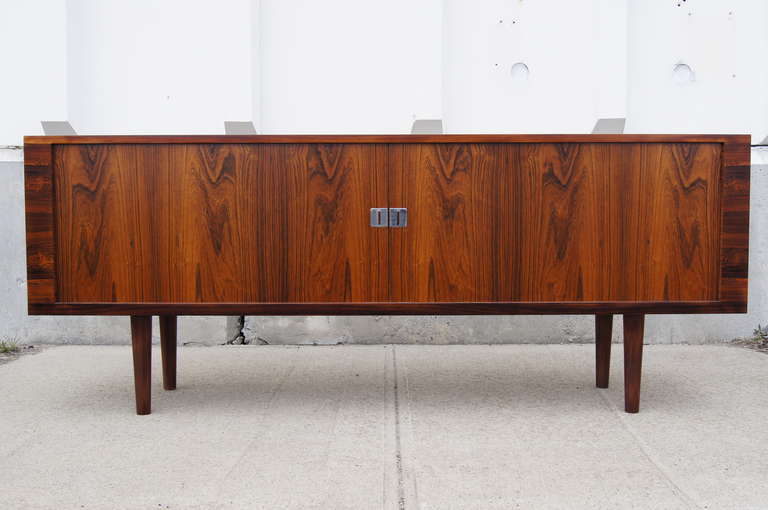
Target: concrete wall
x=295, y=66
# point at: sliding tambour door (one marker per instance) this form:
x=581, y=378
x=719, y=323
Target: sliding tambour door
x=544, y=222
x=220, y=223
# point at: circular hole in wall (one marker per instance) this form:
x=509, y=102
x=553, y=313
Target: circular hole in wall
x=519, y=72
x=682, y=73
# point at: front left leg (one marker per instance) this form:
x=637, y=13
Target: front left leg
x=141, y=339
x=633, y=360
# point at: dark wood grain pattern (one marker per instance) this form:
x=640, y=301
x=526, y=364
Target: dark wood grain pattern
x=209, y=232
x=40, y=220
x=325, y=241
x=564, y=223
x=556, y=222
x=603, y=332
x=735, y=223
x=278, y=224
x=383, y=308
x=168, y=350
x=666, y=197
x=452, y=249
x=220, y=223
x=634, y=325
x=108, y=201
x=141, y=339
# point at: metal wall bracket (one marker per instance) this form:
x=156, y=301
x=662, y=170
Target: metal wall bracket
x=236, y=127
x=609, y=126
x=427, y=127
x=57, y=128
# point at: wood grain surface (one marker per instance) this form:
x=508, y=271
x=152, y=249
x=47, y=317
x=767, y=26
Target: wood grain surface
x=168, y=349
x=460, y=241
x=141, y=341
x=279, y=224
x=40, y=208
x=556, y=222
x=634, y=325
x=734, y=243
x=603, y=338
x=220, y=223
x=392, y=308
x=108, y=206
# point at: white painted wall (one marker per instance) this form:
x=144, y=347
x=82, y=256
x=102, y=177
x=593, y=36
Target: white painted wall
x=574, y=53
x=149, y=66
x=723, y=42
x=346, y=66
x=32, y=67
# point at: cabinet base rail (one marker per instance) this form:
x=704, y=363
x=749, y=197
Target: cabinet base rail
x=141, y=333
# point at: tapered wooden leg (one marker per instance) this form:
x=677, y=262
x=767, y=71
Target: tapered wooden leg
x=141, y=336
x=168, y=350
x=603, y=332
x=633, y=360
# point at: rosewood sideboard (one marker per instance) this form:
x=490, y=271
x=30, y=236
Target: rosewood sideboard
x=400, y=225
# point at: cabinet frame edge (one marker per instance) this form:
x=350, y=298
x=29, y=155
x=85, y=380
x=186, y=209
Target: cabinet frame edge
x=40, y=210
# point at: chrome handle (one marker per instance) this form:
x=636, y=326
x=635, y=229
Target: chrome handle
x=398, y=217
x=379, y=217
x=392, y=217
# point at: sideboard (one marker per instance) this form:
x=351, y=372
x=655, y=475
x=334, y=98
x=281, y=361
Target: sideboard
x=400, y=225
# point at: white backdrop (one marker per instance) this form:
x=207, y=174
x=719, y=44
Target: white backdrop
x=364, y=66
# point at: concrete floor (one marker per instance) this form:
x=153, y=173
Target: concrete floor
x=364, y=427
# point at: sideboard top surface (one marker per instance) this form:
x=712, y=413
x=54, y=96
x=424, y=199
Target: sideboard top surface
x=473, y=138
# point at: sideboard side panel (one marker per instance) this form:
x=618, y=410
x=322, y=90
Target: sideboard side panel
x=735, y=223
x=40, y=223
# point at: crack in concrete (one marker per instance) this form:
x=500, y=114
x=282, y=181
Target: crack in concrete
x=398, y=445
x=406, y=490
x=239, y=337
x=256, y=436
x=647, y=453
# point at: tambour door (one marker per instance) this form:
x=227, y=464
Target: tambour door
x=219, y=223
x=555, y=222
